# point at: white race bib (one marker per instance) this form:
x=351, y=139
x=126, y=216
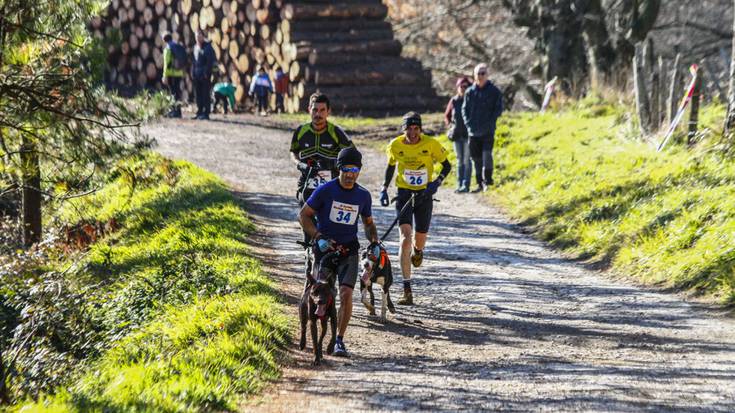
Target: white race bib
x=320, y=179
x=342, y=213
x=415, y=177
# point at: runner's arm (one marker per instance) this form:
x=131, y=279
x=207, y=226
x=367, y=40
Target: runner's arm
x=306, y=219
x=343, y=138
x=389, y=171
x=371, y=231
x=295, y=150
x=446, y=167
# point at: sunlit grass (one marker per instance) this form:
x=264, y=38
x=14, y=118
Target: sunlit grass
x=592, y=188
x=357, y=122
x=193, y=321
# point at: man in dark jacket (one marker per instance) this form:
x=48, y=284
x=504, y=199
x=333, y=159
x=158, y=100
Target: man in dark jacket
x=201, y=74
x=483, y=104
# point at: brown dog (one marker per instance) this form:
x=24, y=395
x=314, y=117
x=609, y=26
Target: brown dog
x=318, y=302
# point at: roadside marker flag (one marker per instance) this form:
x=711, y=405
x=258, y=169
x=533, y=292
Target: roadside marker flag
x=549, y=90
x=694, y=70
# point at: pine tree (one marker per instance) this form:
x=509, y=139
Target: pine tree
x=58, y=126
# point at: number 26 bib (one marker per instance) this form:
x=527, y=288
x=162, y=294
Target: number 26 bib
x=342, y=213
x=415, y=177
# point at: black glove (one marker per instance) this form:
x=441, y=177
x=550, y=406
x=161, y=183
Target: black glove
x=384, y=199
x=433, y=186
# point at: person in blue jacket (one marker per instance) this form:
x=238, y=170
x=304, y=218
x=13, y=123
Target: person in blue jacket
x=201, y=74
x=260, y=87
x=483, y=104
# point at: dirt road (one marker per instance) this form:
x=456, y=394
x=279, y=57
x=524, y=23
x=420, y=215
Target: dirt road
x=501, y=322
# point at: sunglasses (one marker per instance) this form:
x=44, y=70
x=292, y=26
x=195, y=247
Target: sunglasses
x=464, y=86
x=354, y=169
x=481, y=73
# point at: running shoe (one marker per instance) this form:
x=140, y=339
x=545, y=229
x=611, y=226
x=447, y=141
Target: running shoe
x=340, y=350
x=407, y=298
x=417, y=257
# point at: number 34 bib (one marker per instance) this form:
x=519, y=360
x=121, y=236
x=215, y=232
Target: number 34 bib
x=415, y=177
x=342, y=213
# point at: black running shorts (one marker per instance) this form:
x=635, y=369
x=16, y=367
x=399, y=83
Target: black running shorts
x=418, y=215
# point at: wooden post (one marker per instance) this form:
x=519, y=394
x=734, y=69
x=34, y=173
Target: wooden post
x=655, y=92
x=641, y=94
x=673, y=100
x=694, y=113
x=31, y=194
x=663, y=71
x=730, y=117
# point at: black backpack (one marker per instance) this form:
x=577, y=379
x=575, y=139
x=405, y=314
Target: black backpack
x=181, y=59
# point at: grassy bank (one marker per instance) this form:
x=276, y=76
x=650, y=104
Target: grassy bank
x=184, y=318
x=590, y=188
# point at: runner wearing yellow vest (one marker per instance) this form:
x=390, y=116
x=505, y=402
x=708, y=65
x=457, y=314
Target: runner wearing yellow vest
x=413, y=155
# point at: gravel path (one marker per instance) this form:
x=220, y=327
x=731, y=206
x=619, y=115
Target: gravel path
x=501, y=321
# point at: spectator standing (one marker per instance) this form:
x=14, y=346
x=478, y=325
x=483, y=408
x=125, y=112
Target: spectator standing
x=260, y=87
x=174, y=66
x=281, y=89
x=201, y=73
x=457, y=133
x=483, y=104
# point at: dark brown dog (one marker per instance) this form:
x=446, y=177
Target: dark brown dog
x=318, y=302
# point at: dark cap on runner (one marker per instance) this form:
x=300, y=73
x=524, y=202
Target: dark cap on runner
x=411, y=118
x=349, y=156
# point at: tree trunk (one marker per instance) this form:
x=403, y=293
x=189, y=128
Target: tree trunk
x=641, y=92
x=376, y=47
x=730, y=118
x=600, y=53
x=4, y=396
x=338, y=76
x=343, y=11
x=31, y=193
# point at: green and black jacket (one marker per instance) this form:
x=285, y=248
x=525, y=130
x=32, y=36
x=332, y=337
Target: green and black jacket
x=307, y=144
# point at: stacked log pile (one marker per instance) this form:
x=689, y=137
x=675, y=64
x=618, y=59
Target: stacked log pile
x=344, y=49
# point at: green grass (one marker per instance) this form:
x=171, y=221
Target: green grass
x=359, y=123
x=587, y=186
x=191, y=320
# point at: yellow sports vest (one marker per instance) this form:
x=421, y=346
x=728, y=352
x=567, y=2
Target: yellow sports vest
x=415, y=163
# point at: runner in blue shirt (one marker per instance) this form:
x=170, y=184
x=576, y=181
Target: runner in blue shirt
x=337, y=206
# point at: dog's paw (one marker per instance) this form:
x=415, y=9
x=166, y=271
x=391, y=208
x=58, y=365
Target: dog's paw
x=302, y=343
x=316, y=362
x=330, y=348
